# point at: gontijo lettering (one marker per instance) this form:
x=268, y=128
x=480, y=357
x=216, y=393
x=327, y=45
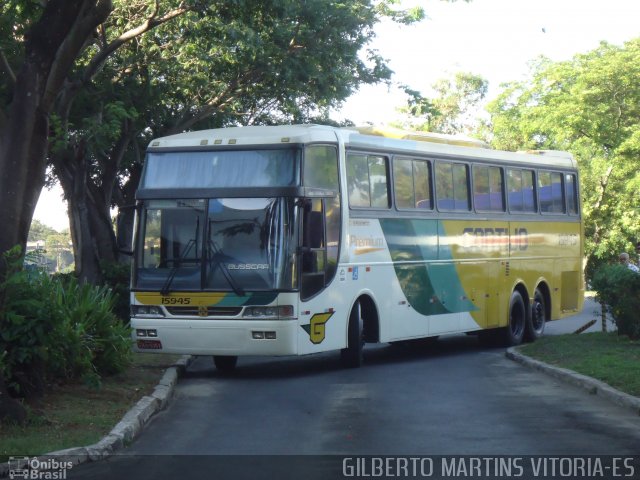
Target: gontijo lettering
x=494, y=237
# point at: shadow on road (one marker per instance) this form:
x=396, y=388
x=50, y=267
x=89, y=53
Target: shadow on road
x=375, y=355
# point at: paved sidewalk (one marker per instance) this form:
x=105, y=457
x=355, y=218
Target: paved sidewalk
x=590, y=311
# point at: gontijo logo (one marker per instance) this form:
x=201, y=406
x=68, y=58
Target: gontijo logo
x=317, y=327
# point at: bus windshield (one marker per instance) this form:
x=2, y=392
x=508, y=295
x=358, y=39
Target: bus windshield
x=221, y=244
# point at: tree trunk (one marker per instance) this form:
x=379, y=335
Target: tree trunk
x=22, y=172
x=92, y=233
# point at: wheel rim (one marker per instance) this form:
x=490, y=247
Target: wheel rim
x=517, y=319
x=538, y=313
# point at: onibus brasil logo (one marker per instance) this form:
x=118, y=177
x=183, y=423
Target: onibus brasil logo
x=38, y=469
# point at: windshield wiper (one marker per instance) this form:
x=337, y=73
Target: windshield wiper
x=172, y=274
x=223, y=268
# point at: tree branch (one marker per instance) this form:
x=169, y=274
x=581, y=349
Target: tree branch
x=89, y=17
x=604, y=183
x=150, y=23
x=111, y=167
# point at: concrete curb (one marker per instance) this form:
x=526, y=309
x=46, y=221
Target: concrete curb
x=591, y=385
x=126, y=430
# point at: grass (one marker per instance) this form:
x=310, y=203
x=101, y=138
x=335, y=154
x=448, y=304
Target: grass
x=608, y=357
x=75, y=415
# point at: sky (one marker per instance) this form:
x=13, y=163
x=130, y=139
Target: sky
x=496, y=39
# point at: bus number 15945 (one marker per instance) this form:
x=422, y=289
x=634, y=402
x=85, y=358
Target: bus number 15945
x=176, y=301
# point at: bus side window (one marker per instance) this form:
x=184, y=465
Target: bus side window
x=452, y=186
x=412, y=183
x=571, y=187
x=367, y=181
x=551, y=192
x=487, y=189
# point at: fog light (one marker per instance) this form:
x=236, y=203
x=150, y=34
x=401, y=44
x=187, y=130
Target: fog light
x=257, y=335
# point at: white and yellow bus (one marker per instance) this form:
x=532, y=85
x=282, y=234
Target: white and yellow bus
x=292, y=240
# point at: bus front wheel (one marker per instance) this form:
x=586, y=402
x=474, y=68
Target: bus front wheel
x=225, y=363
x=514, y=331
x=352, y=356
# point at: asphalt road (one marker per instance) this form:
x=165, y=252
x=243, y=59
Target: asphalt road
x=452, y=398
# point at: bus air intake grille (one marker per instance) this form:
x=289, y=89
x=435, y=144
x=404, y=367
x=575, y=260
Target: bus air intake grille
x=205, y=311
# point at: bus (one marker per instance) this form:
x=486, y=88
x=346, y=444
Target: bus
x=299, y=239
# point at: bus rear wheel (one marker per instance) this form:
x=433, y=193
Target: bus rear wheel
x=537, y=319
x=352, y=356
x=225, y=363
x=514, y=331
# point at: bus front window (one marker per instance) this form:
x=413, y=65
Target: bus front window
x=171, y=244
x=249, y=244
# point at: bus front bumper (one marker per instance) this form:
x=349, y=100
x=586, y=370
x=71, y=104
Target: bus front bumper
x=215, y=337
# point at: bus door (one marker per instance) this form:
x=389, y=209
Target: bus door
x=318, y=253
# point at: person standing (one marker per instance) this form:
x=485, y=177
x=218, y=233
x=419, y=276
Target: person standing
x=624, y=260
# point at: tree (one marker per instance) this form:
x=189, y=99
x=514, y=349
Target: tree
x=52, y=52
x=233, y=63
x=454, y=107
x=38, y=48
x=589, y=106
x=37, y=52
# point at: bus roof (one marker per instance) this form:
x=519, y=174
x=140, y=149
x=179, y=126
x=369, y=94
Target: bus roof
x=366, y=138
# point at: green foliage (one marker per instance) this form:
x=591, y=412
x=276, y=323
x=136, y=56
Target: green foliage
x=40, y=231
x=589, y=106
x=117, y=276
x=24, y=331
x=619, y=288
x=90, y=340
x=454, y=107
x=54, y=328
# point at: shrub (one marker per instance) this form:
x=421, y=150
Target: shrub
x=91, y=340
x=118, y=276
x=24, y=326
x=55, y=328
x=619, y=289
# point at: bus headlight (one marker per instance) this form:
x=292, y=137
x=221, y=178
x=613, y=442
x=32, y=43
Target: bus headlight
x=147, y=310
x=283, y=311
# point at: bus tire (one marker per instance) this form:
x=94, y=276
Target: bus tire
x=537, y=319
x=225, y=363
x=514, y=331
x=352, y=356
